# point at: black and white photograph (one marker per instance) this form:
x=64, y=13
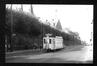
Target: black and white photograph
x=49, y=33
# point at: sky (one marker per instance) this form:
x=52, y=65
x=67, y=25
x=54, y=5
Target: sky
x=77, y=18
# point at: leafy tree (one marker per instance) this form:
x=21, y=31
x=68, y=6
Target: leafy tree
x=30, y=32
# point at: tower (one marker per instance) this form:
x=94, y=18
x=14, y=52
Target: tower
x=58, y=26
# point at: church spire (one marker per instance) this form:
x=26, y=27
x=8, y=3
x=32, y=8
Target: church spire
x=58, y=26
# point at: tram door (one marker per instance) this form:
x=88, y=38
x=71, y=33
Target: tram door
x=48, y=43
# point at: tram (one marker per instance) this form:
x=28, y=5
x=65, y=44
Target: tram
x=52, y=43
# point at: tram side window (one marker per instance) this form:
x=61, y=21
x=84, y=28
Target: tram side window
x=50, y=41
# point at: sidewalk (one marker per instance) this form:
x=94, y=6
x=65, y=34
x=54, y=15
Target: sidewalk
x=73, y=47
x=20, y=51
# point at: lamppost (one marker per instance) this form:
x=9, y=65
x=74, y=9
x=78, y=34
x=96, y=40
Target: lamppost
x=42, y=34
x=11, y=45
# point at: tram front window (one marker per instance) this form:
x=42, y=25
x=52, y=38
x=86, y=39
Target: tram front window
x=45, y=41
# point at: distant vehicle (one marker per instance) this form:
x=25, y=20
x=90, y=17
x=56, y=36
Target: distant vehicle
x=53, y=43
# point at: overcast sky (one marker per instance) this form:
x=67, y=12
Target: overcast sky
x=78, y=18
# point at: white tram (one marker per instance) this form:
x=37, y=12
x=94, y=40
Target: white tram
x=52, y=43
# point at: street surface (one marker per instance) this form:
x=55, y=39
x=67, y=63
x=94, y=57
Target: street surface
x=77, y=54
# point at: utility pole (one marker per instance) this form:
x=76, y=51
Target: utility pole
x=21, y=7
x=6, y=43
x=31, y=9
x=11, y=45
